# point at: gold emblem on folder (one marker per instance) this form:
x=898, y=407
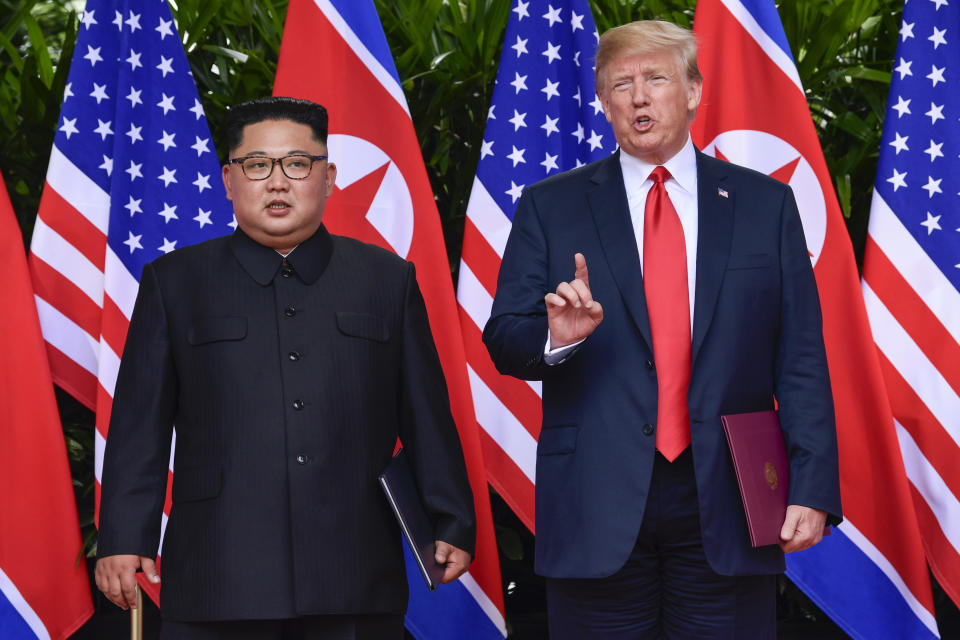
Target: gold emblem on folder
x=770, y=473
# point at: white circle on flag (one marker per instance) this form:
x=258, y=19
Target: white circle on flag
x=767, y=153
x=391, y=211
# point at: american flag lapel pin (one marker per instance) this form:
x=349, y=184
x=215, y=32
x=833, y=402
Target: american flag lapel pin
x=722, y=192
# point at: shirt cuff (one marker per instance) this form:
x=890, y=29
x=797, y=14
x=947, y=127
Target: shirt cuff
x=555, y=356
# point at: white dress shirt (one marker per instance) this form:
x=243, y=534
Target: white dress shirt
x=682, y=189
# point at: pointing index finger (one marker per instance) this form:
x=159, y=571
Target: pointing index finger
x=581, y=269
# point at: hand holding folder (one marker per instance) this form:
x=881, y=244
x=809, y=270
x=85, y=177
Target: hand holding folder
x=401, y=491
x=763, y=472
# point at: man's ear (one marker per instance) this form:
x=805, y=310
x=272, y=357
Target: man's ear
x=694, y=93
x=330, y=177
x=227, y=181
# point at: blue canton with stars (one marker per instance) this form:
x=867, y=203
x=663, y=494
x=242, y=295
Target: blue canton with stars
x=919, y=169
x=544, y=117
x=132, y=122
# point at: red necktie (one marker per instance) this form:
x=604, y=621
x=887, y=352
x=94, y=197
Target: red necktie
x=668, y=305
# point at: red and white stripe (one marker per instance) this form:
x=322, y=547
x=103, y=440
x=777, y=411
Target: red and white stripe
x=84, y=294
x=508, y=410
x=914, y=314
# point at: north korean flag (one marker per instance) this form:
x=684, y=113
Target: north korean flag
x=870, y=576
x=334, y=52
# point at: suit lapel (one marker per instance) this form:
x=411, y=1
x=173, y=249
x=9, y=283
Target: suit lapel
x=715, y=231
x=611, y=214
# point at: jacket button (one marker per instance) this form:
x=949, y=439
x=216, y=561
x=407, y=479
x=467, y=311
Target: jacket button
x=286, y=272
x=648, y=429
x=290, y=311
x=649, y=365
x=298, y=404
x=301, y=459
x=294, y=355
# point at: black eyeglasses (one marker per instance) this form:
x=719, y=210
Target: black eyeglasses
x=295, y=167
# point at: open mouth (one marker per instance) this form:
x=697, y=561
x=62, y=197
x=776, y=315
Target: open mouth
x=278, y=205
x=643, y=122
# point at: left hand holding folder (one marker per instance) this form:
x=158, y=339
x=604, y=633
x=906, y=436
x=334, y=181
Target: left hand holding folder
x=802, y=528
x=455, y=560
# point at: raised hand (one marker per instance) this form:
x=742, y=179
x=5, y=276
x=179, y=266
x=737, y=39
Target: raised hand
x=572, y=313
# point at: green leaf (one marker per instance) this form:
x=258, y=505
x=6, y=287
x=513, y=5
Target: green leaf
x=843, y=186
x=38, y=45
x=15, y=58
x=865, y=73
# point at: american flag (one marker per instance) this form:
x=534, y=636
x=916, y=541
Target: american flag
x=911, y=272
x=544, y=118
x=133, y=174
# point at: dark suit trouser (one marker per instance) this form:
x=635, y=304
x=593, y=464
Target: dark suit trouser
x=346, y=627
x=667, y=588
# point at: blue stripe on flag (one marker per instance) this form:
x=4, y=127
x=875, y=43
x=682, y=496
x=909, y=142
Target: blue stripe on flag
x=765, y=13
x=366, y=25
x=545, y=116
x=849, y=587
x=930, y=165
x=141, y=134
x=12, y=625
x=449, y=612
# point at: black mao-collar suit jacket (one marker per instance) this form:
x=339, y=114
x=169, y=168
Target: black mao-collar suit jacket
x=288, y=384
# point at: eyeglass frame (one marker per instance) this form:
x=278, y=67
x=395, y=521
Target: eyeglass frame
x=274, y=162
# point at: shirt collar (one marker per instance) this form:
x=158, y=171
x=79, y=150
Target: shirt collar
x=261, y=262
x=682, y=168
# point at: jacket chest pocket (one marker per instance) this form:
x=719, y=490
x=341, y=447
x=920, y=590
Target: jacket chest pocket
x=363, y=325
x=217, y=329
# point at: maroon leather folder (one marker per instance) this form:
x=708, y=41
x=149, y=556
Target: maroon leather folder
x=763, y=473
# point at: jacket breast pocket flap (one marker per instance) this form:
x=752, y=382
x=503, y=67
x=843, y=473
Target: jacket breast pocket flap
x=196, y=483
x=217, y=329
x=557, y=440
x=750, y=261
x=363, y=325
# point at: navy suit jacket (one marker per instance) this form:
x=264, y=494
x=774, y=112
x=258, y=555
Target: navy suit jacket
x=756, y=337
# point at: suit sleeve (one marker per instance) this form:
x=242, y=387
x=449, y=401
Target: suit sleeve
x=516, y=332
x=133, y=483
x=802, y=379
x=427, y=429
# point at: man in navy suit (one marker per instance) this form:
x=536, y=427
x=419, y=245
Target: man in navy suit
x=699, y=301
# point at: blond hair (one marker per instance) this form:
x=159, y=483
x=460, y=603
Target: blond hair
x=644, y=37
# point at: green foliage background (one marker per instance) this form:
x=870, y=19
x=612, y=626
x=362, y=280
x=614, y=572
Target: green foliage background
x=447, y=54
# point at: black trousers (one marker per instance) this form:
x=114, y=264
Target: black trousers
x=667, y=588
x=330, y=627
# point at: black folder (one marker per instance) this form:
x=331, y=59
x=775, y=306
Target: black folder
x=401, y=490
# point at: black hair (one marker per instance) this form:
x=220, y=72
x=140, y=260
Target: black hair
x=275, y=108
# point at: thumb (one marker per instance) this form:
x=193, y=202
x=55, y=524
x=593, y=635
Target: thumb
x=442, y=553
x=149, y=569
x=789, y=528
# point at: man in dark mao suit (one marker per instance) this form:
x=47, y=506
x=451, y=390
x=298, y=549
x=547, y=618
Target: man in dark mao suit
x=290, y=360
x=640, y=529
